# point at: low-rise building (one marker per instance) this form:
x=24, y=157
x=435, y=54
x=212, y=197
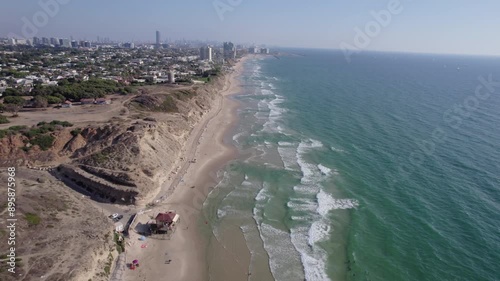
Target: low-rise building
x=102, y=101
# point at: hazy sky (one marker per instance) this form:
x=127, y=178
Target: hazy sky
x=446, y=26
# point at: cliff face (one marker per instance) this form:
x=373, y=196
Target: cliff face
x=126, y=159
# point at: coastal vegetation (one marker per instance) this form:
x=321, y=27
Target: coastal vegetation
x=67, y=89
x=32, y=219
x=4, y=120
x=184, y=94
x=157, y=103
x=40, y=135
x=120, y=243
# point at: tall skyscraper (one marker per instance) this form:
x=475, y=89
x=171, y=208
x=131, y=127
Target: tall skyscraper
x=158, y=40
x=65, y=43
x=54, y=41
x=206, y=53
x=229, y=50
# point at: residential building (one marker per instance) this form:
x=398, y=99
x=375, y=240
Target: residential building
x=254, y=50
x=129, y=45
x=171, y=77
x=229, y=50
x=54, y=41
x=65, y=43
x=206, y=53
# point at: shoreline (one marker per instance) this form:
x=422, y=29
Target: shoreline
x=186, y=192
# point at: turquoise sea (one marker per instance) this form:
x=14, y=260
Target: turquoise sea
x=384, y=168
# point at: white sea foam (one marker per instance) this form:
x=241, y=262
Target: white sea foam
x=324, y=170
x=263, y=195
x=221, y=213
x=267, y=92
x=275, y=113
x=262, y=105
x=313, y=257
x=326, y=203
x=302, y=206
x=319, y=231
x=301, y=218
x=237, y=136
x=309, y=171
x=337, y=149
x=284, y=261
x=287, y=152
x=230, y=211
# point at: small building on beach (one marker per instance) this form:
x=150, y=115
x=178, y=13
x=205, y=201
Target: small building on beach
x=166, y=222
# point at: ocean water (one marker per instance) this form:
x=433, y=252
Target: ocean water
x=385, y=168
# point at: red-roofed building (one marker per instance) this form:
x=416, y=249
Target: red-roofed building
x=166, y=221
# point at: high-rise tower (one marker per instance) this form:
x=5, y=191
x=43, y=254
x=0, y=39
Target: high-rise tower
x=158, y=40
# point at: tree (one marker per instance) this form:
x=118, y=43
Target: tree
x=14, y=100
x=3, y=120
x=54, y=99
x=13, y=109
x=40, y=102
x=11, y=92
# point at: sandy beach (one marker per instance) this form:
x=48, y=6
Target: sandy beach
x=185, y=193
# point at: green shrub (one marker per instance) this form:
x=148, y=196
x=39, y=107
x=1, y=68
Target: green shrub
x=17, y=128
x=76, y=132
x=14, y=100
x=62, y=123
x=54, y=100
x=43, y=141
x=4, y=120
x=168, y=105
x=32, y=219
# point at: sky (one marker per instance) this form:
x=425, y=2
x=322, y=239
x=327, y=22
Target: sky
x=423, y=26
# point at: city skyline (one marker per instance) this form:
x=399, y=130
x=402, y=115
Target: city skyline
x=390, y=25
